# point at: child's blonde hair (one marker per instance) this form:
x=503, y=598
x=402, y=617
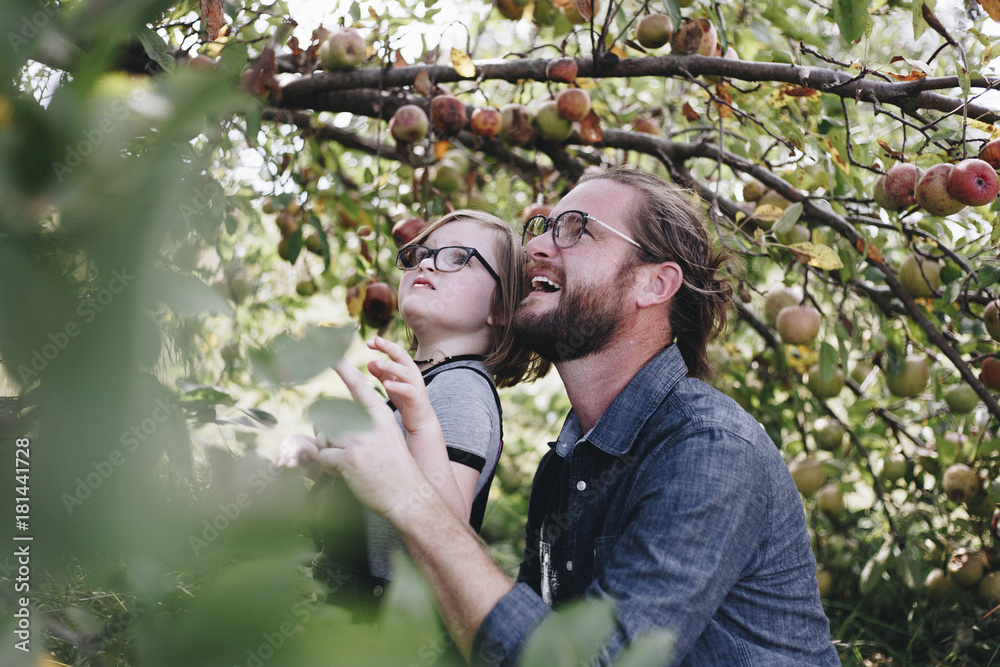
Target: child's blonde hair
x=509, y=362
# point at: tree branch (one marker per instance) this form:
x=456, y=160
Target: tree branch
x=309, y=89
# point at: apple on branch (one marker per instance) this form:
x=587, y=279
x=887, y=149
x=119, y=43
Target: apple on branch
x=932, y=191
x=409, y=124
x=486, y=122
x=573, y=104
x=973, y=182
x=654, y=30
x=345, y=49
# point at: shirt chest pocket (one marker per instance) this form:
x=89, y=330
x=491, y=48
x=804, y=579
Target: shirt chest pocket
x=603, y=549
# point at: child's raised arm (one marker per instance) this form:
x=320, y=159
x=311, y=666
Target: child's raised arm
x=405, y=386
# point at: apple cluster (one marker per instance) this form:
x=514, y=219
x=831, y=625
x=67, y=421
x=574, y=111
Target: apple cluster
x=942, y=189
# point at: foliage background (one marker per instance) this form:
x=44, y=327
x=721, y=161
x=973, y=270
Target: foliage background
x=156, y=346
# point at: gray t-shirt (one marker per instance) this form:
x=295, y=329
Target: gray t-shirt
x=465, y=403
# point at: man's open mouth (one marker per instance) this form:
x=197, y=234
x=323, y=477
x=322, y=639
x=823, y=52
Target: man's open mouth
x=543, y=284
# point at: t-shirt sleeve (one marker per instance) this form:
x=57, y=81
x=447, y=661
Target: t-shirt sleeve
x=466, y=407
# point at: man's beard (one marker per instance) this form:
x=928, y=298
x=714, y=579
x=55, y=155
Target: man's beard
x=585, y=321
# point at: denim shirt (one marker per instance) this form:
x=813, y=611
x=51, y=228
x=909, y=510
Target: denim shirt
x=679, y=507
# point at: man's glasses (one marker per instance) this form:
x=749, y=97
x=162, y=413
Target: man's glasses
x=448, y=259
x=567, y=228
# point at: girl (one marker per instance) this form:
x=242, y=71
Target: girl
x=463, y=278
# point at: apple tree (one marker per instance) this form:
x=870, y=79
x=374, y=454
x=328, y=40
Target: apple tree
x=194, y=190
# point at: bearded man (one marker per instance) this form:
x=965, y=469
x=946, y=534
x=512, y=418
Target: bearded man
x=660, y=492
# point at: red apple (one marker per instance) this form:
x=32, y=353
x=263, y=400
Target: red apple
x=581, y=11
x=517, y=129
x=973, y=182
x=646, y=126
x=379, y=304
x=990, y=373
x=345, y=49
x=407, y=229
x=448, y=114
x=654, y=30
x=573, y=104
x=509, y=9
x=561, y=69
x=932, y=191
x=990, y=153
x=695, y=36
x=798, y=325
x=882, y=198
x=409, y=124
x=486, y=122
x=900, y=182
x=991, y=320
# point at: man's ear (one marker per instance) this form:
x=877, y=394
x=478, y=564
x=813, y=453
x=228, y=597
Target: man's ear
x=658, y=283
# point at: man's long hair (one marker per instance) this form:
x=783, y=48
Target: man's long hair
x=670, y=227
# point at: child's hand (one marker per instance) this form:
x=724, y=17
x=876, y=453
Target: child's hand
x=297, y=451
x=404, y=384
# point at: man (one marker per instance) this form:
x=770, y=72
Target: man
x=660, y=493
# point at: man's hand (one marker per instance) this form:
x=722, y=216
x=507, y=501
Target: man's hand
x=376, y=464
x=299, y=451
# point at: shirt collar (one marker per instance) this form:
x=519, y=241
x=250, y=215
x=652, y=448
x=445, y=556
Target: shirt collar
x=618, y=427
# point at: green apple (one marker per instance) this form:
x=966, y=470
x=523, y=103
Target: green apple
x=808, y=475
x=920, y=276
x=961, y=398
x=830, y=501
x=910, y=379
x=828, y=389
x=960, y=482
x=550, y=124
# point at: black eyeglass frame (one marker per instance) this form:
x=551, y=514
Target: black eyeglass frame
x=433, y=252
x=555, y=225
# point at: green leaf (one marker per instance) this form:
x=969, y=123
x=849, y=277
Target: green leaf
x=156, y=49
x=648, y=651
x=788, y=218
x=571, y=636
x=963, y=80
x=852, y=18
x=919, y=23
x=332, y=416
x=951, y=293
x=828, y=359
x=986, y=276
x=289, y=360
x=187, y=295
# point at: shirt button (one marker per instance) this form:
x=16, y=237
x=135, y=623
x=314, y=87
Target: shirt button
x=569, y=565
x=377, y=591
x=581, y=485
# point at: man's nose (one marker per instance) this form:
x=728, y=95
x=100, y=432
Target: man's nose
x=541, y=246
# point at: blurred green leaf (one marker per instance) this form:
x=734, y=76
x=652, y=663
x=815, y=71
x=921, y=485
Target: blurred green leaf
x=289, y=360
x=338, y=415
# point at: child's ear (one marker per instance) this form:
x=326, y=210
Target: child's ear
x=493, y=321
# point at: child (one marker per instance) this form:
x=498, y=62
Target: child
x=463, y=279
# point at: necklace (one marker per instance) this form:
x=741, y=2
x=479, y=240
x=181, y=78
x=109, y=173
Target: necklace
x=438, y=358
